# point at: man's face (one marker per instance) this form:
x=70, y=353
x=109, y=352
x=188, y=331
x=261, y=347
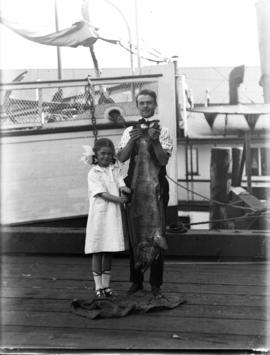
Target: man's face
x=146, y=105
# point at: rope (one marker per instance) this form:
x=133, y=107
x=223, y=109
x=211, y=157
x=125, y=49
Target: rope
x=222, y=75
x=149, y=59
x=91, y=103
x=211, y=200
x=255, y=215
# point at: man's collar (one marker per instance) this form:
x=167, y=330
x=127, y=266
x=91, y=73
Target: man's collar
x=149, y=119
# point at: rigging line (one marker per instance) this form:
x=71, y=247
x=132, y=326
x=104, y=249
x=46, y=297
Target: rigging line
x=211, y=200
x=152, y=47
x=145, y=50
x=142, y=49
x=244, y=94
x=149, y=59
x=153, y=51
x=221, y=74
x=226, y=219
x=215, y=87
x=149, y=52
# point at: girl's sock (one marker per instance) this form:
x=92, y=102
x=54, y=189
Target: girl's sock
x=98, y=280
x=106, y=278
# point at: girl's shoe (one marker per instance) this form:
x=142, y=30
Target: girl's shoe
x=100, y=293
x=108, y=292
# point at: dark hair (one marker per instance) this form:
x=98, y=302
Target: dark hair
x=101, y=143
x=147, y=92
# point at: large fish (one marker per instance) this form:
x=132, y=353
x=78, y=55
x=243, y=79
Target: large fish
x=146, y=211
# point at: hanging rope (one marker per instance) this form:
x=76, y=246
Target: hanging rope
x=210, y=200
x=91, y=104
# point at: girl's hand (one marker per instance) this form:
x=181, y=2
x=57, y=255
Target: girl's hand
x=123, y=199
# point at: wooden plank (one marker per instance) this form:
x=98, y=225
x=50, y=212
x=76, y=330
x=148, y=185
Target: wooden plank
x=187, y=310
x=192, y=298
x=226, y=306
x=173, y=273
x=252, y=274
x=138, y=322
x=119, y=259
x=172, y=264
x=50, y=337
x=83, y=262
x=169, y=286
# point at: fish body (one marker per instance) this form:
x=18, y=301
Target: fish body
x=146, y=210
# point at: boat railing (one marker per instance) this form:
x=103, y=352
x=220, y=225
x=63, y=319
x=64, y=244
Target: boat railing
x=41, y=104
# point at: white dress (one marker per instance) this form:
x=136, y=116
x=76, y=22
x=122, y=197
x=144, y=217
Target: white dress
x=104, y=230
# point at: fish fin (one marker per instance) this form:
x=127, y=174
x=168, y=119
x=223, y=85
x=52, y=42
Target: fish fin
x=161, y=242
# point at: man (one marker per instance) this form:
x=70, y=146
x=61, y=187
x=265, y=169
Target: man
x=146, y=102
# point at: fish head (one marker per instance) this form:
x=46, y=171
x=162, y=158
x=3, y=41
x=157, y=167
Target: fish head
x=145, y=253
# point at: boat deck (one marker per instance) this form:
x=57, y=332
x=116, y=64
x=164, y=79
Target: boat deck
x=226, y=306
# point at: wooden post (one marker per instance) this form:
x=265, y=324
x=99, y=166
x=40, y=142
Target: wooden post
x=40, y=113
x=219, y=185
x=236, y=166
x=248, y=161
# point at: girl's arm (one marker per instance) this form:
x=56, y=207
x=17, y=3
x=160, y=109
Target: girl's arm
x=112, y=198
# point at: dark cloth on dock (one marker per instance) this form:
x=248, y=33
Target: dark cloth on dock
x=121, y=306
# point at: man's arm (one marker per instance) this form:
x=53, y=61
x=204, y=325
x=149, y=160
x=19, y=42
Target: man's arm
x=125, y=152
x=161, y=154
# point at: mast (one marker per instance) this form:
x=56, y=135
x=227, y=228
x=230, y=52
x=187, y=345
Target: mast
x=59, y=64
x=263, y=20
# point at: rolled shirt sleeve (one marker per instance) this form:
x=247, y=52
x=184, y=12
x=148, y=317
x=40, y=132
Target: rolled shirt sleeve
x=125, y=138
x=166, y=140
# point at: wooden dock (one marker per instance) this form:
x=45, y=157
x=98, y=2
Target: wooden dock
x=226, y=306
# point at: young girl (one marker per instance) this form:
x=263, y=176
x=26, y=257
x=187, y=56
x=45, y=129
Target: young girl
x=104, y=231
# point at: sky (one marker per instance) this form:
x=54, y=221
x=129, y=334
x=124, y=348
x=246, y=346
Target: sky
x=199, y=32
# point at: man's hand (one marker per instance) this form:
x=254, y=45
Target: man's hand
x=135, y=134
x=154, y=133
x=126, y=190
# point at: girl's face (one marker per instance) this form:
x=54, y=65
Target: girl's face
x=104, y=156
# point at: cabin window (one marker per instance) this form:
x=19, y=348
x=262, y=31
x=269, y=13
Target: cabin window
x=193, y=161
x=260, y=164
